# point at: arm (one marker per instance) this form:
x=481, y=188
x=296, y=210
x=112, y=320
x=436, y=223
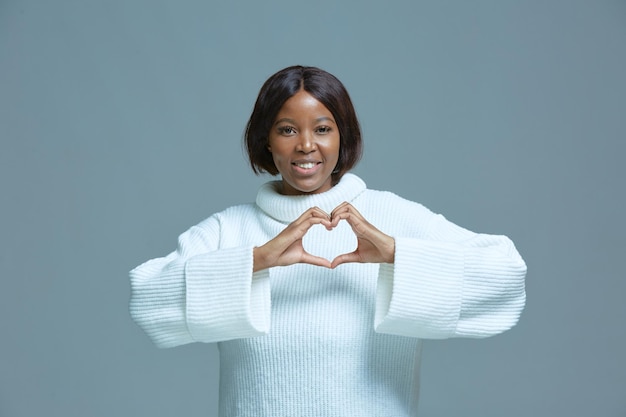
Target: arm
x=200, y=292
x=451, y=282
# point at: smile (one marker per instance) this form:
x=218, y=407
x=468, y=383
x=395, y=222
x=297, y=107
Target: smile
x=306, y=165
x=306, y=168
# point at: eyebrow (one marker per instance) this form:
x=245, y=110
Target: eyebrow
x=319, y=119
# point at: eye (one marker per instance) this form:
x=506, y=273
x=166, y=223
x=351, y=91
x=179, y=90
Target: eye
x=322, y=130
x=287, y=130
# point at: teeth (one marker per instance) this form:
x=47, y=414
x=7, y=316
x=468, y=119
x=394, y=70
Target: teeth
x=307, y=165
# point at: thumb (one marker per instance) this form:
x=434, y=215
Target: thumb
x=307, y=258
x=346, y=258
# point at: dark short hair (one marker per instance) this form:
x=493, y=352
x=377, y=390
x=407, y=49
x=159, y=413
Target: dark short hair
x=328, y=90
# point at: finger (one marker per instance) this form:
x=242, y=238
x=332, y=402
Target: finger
x=343, y=214
x=346, y=211
x=299, y=227
x=316, y=211
x=312, y=212
x=345, y=207
x=308, y=218
x=341, y=208
x=346, y=258
x=307, y=258
x=311, y=221
x=359, y=225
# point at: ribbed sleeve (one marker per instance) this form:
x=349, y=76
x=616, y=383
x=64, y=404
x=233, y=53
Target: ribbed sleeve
x=453, y=283
x=157, y=301
x=426, y=281
x=200, y=292
x=220, y=306
x=493, y=289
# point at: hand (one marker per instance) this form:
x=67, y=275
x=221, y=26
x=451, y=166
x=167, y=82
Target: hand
x=286, y=248
x=373, y=246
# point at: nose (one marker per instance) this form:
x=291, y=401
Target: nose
x=306, y=144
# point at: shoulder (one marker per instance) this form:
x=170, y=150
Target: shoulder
x=393, y=214
x=387, y=201
x=234, y=214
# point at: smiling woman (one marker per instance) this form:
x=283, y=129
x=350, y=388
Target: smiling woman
x=304, y=143
x=302, y=335
x=325, y=93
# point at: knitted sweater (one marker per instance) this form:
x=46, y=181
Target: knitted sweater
x=304, y=340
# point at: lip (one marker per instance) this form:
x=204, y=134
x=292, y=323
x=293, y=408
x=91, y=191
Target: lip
x=305, y=171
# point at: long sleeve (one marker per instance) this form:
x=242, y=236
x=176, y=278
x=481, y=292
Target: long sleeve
x=451, y=283
x=200, y=292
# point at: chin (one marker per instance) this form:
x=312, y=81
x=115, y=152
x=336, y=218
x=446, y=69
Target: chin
x=299, y=187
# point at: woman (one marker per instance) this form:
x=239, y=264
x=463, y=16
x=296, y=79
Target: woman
x=319, y=293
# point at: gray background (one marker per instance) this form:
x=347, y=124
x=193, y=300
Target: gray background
x=121, y=125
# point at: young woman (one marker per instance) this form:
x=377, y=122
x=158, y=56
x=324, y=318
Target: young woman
x=318, y=294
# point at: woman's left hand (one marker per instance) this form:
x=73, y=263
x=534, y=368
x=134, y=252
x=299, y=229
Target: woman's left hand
x=373, y=246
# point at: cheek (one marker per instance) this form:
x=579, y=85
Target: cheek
x=336, y=147
x=277, y=156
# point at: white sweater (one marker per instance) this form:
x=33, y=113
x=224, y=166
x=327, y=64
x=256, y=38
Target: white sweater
x=309, y=341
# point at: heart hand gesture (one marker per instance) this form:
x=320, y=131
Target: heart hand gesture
x=286, y=248
x=373, y=246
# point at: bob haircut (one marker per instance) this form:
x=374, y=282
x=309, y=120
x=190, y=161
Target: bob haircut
x=328, y=90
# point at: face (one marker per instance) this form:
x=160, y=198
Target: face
x=304, y=142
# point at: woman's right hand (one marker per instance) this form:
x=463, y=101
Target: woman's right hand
x=286, y=248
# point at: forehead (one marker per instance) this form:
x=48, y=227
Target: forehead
x=304, y=104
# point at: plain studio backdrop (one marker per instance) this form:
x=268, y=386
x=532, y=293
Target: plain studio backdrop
x=121, y=125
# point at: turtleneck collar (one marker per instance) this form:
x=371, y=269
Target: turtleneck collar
x=287, y=208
